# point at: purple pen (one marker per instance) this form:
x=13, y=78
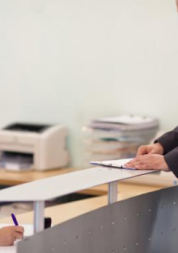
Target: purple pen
x=14, y=219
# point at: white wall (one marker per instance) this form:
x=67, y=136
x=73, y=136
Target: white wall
x=67, y=61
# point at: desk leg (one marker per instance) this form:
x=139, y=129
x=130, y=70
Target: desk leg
x=38, y=216
x=112, y=192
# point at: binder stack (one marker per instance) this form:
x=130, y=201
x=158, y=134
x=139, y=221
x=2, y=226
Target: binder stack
x=117, y=137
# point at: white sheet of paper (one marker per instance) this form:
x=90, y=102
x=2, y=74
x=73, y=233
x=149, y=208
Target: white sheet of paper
x=9, y=249
x=12, y=249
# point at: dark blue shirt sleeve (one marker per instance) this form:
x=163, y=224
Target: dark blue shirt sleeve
x=171, y=159
x=169, y=141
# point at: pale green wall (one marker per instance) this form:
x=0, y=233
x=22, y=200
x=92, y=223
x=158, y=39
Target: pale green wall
x=67, y=61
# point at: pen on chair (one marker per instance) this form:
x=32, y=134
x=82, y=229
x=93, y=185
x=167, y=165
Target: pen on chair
x=14, y=219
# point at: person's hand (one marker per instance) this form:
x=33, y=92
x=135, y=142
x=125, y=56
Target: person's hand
x=9, y=234
x=177, y=4
x=148, y=162
x=156, y=148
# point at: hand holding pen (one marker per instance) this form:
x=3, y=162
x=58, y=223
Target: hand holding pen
x=9, y=234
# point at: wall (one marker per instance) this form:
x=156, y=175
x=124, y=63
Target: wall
x=65, y=61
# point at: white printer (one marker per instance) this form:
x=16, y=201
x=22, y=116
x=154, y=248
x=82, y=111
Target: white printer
x=33, y=146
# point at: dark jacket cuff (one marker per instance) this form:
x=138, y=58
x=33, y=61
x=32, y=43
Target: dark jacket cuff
x=171, y=159
x=169, y=140
x=164, y=144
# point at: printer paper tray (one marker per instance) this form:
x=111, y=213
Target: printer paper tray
x=16, y=161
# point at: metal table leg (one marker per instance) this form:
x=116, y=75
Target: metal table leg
x=112, y=192
x=38, y=216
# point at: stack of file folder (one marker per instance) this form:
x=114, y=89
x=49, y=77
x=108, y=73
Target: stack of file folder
x=115, y=138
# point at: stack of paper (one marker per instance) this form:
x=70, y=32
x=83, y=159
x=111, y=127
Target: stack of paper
x=115, y=138
x=125, y=123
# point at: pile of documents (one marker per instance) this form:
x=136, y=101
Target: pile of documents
x=117, y=137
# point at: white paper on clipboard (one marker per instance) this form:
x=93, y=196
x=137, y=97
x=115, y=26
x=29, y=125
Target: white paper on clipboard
x=119, y=164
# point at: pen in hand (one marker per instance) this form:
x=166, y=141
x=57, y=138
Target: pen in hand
x=14, y=219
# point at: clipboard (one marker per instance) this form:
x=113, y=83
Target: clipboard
x=116, y=164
